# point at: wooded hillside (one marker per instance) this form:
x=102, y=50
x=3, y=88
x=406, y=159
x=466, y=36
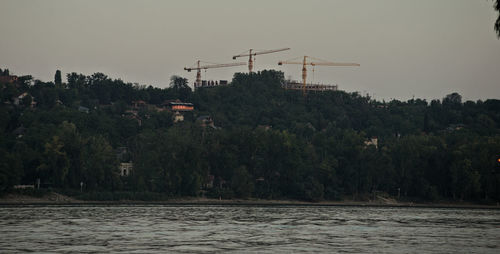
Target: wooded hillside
x=264, y=141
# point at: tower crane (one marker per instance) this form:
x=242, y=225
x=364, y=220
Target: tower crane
x=317, y=61
x=199, y=67
x=251, y=55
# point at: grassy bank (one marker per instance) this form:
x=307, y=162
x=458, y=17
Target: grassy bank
x=66, y=197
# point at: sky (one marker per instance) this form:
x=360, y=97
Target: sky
x=423, y=49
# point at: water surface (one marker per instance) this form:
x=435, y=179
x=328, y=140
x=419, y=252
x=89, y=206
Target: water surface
x=263, y=229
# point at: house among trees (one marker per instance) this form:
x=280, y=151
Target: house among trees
x=455, y=127
x=139, y=104
x=205, y=121
x=83, y=109
x=5, y=77
x=123, y=156
x=133, y=114
x=178, y=117
x=19, y=131
x=373, y=141
x=8, y=79
x=180, y=106
x=24, y=99
x=209, y=183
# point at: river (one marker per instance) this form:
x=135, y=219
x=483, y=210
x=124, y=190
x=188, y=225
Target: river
x=262, y=229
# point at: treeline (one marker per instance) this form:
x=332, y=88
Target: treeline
x=267, y=142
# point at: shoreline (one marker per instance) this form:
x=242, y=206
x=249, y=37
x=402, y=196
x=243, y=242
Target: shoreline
x=55, y=199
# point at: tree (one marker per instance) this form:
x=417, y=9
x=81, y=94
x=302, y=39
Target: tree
x=177, y=82
x=465, y=179
x=10, y=170
x=242, y=182
x=453, y=98
x=57, y=78
x=27, y=100
x=273, y=143
x=100, y=167
x=56, y=164
x=497, y=23
x=179, y=86
x=76, y=80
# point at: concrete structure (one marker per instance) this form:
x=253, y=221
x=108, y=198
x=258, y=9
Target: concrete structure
x=126, y=168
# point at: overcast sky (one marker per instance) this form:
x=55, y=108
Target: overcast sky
x=425, y=48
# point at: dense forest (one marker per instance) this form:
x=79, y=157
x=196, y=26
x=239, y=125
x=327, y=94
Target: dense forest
x=263, y=141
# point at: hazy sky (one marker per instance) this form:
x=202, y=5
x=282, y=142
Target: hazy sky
x=424, y=48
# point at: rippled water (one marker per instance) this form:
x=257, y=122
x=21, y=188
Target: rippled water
x=268, y=229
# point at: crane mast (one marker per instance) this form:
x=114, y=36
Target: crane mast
x=199, y=67
x=318, y=62
x=251, y=56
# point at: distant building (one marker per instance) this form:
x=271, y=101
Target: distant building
x=178, y=117
x=122, y=154
x=139, y=104
x=8, y=79
x=372, y=141
x=126, y=168
x=210, y=83
x=18, y=100
x=83, y=109
x=134, y=115
x=181, y=106
x=206, y=121
x=209, y=183
x=177, y=105
x=23, y=187
x=265, y=127
x=19, y=131
x=294, y=85
x=455, y=127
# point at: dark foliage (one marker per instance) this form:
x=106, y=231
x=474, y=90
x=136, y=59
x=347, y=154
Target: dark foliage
x=265, y=142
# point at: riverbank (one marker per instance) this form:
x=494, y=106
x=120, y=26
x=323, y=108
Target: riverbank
x=53, y=198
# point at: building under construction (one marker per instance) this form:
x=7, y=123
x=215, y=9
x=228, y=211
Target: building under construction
x=316, y=62
x=210, y=83
x=295, y=85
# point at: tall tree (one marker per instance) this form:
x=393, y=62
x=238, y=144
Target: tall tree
x=497, y=23
x=57, y=78
x=179, y=86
